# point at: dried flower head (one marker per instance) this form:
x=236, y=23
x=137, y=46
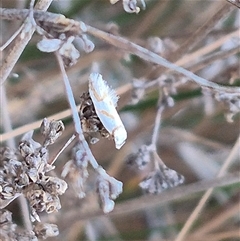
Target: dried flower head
x=156, y=45
x=86, y=44
x=59, y=35
x=12, y=176
x=54, y=185
x=24, y=172
x=232, y=101
x=108, y=189
x=41, y=201
x=161, y=179
x=8, y=229
x=60, y=27
x=65, y=48
x=166, y=101
x=51, y=130
x=141, y=158
x=138, y=90
x=46, y=230
x=76, y=170
x=160, y=46
x=130, y=6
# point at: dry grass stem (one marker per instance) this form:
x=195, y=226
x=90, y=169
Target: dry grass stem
x=197, y=211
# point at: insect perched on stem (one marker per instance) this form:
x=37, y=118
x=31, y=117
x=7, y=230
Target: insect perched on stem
x=105, y=101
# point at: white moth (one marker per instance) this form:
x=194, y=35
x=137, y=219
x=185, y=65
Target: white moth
x=105, y=101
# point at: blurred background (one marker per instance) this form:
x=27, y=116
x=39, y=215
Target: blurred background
x=196, y=135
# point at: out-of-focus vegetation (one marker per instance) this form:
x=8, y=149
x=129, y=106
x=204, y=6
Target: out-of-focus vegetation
x=195, y=137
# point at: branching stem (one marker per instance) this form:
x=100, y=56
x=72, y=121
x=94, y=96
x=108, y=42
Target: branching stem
x=149, y=56
x=75, y=115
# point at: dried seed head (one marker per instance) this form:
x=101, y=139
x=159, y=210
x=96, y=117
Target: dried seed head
x=62, y=26
x=26, y=236
x=161, y=179
x=25, y=173
x=35, y=198
x=28, y=146
x=156, y=45
x=138, y=90
x=5, y=216
x=167, y=101
x=41, y=201
x=54, y=185
x=231, y=101
x=59, y=37
x=51, y=130
x=46, y=230
x=103, y=190
x=49, y=45
x=7, y=154
x=130, y=6
x=140, y=159
x=87, y=45
x=108, y=189
x=173, y=178
x=9, y=231
x=69, y=54
x=7, y=227
x=76, y=170
x=77, y=176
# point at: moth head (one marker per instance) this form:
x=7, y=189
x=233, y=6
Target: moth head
x=120, y=136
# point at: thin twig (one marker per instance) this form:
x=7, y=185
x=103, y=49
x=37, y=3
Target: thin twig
x=234, y=2
x=70, y=140
x=188, y=224
x=11, y=38
x=76, y=119
x=157, y=127
x=20, y=14
x=193, y=67
x=149, y=56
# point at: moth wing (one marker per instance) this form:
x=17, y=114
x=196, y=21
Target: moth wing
x=101, y=88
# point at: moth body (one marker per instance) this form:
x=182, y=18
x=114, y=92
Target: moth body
x=105, y=100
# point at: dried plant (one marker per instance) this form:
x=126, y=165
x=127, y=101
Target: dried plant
x=70, y=175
